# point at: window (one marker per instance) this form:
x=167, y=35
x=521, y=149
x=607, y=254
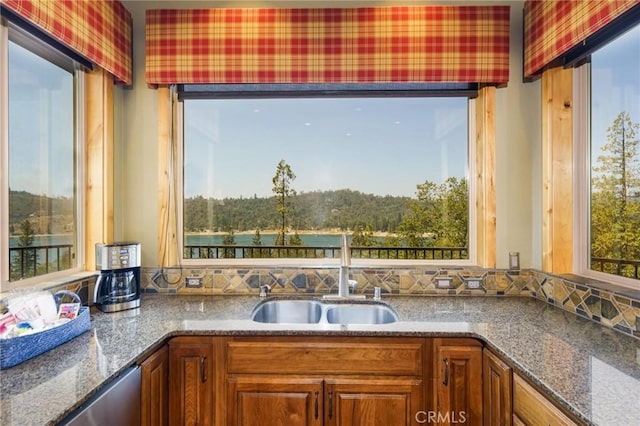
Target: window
x=284, y=177
x=613, y=212
x=40, y=200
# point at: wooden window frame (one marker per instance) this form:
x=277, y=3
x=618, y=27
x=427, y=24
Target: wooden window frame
x=482, y=149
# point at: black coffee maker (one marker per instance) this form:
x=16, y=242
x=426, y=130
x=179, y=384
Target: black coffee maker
x=118, y=285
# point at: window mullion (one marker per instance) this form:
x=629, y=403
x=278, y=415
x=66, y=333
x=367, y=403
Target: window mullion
x=4, y=154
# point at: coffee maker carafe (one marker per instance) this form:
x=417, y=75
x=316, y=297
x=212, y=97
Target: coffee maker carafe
x=118, y=285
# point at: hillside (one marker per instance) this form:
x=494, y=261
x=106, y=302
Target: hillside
x=48, y=215
x=312, y=211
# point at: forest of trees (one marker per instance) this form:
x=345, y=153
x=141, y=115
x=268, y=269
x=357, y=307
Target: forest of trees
x=341, y=209
x=438, y=216
x=615, y=198
x=31, y=215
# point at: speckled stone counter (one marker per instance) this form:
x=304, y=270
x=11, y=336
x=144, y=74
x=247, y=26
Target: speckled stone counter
x=591, y=370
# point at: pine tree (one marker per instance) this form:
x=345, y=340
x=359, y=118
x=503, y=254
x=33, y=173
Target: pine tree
x=615, y=197
x=439, y=215
x=295, y=239
x=24, y=265
x=284, y=194
x=229, y=239
x=256, y=238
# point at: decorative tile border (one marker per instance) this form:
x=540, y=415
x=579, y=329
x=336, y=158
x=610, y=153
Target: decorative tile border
x=610, y=308
x=293, y=280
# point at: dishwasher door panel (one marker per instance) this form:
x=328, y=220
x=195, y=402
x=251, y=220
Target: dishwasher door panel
x=117, y=404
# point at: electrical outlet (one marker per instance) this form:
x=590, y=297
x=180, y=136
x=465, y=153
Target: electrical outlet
x=473, y=284
x=444, y=282
x=194, y=282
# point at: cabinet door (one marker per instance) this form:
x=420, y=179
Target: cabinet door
x=372, y=402
x=496, y=382
x=255, y=400
x=458, y=384
x=155, y=389
x=531, y=408
x=191, y=382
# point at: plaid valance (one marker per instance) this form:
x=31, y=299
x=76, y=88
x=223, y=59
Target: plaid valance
x=352, y=45
x=553, y=27
x=99, y=30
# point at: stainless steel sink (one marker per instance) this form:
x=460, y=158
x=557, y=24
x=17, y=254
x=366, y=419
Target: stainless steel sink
x=361, y=314
x=288, y=311
x=304, y=311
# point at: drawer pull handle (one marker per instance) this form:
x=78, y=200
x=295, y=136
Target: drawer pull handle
x=330, y=404
x=446, y=371
x=203, y=369
x=316, y=405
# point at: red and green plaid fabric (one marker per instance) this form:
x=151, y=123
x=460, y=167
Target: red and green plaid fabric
x=378, y=44
x=553, y=27
x=99, y=30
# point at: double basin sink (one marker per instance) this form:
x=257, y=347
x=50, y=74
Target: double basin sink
x=311, y=311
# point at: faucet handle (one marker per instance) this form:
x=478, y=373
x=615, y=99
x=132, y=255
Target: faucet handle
x=264, y=291
x=377, y=293
x=352, y=286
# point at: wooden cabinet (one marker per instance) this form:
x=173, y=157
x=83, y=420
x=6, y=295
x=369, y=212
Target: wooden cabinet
x=273, y=401
x=458, y=381
x=336, y=381
x=531, y=408
x=155, y=389
x=191, y=386
x=371, y=402
x=324, y=381
x=496, y=392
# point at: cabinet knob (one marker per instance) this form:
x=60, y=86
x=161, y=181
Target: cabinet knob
x=316, y=405
x=330, y=404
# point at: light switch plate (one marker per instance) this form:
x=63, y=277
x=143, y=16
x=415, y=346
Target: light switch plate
x=194, y=282
x=473, y=284
x=444, y=282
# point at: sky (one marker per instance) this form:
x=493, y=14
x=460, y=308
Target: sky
x=615, y=81
x=41, y=125
x=383, y=146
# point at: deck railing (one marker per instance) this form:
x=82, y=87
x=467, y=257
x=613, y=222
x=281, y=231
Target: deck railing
x=31, y=261
x=38, y=260
x=317, y=252
x=625, y=268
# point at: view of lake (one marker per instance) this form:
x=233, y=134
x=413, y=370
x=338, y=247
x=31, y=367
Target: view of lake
x=309, y=240
x=44, y=240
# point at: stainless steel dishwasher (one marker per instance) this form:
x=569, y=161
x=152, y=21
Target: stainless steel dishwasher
x=118, y=403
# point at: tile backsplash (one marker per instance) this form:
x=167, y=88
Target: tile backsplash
x=612, y=308
x=318, y=281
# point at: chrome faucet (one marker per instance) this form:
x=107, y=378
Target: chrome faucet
x=345, y=262
x=346, y=287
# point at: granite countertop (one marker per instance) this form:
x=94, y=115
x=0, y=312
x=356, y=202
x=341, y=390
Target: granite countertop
x=591, y=370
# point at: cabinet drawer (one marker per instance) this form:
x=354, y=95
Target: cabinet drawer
x=376, y=356
x=532, y=408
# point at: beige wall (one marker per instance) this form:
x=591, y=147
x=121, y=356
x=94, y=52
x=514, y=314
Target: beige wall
x=517, y=145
